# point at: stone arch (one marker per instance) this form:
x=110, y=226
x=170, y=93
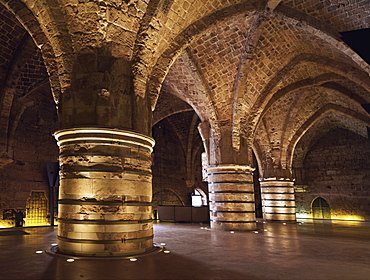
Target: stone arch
x=323, y=80
x=168, y=114
x=267, y=99
x=13, y=126
x=203, y=194
x=35, y=28
x=200, y=101
x=319, y=29
x=337, y=90
x=258, y=155
x=182, y=40
x=171, y=192
x=320, y=208
x=321, y=113
x=168, y=104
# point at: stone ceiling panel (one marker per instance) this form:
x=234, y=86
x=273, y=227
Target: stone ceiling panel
x=33, y=72
x=11, y=36
x=185, y=83
x=280, y=59
x=278, y=45
x=173, y=16
x=168, y=104
x=218, y=53
x=331, y=121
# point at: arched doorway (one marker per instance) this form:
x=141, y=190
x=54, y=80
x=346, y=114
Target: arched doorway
x=320, y=209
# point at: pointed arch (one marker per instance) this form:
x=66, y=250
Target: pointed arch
x=36, y=28
x=338, y=70
x=320, y=114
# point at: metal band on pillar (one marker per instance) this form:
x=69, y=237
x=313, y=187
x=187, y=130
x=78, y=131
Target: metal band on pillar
x=231, y=197
x=278, y=201
x=105, y=192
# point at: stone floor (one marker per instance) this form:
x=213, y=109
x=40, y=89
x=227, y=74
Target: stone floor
x=308, y=250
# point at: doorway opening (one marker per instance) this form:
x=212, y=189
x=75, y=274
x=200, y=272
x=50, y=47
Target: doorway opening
x=320, y=209
x=37, y=209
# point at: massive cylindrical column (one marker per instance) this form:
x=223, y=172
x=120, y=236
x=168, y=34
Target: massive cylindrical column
x=278, y=202
x=105, y=192
x=231, y=197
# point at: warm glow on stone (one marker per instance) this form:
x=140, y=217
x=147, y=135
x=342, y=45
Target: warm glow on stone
x=87, y=168
x=77, y=134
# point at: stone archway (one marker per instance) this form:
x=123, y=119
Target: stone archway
x=320, y=209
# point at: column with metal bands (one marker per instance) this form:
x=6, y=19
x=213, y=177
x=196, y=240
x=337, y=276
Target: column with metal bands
x=231, y=197
x=105, y=192
x=278, y=200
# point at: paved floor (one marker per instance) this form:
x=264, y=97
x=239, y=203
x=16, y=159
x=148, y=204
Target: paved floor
x=309, y=250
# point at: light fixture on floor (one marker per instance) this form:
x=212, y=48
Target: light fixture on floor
x=70, y=260
x=39, y=252
x=133, y=259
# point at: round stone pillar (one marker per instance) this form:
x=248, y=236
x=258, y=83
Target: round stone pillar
x=278, y=202
x=105, y=192
x=231, y=197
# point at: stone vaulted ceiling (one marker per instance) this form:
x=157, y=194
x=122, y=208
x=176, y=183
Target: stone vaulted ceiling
x=272, y=75
x=269, y=71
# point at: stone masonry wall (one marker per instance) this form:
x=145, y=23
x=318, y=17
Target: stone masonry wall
x=169, y=168
x=33, y=145
x=337, y=168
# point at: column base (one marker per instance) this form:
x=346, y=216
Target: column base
x=231, y=198
x=278, y=200
x=234, y=226
x=105, y=192
x=54, y=251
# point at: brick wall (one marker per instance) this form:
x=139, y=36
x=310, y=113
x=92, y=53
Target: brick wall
x=33, y=145
x=337, y=168
x=169, y=163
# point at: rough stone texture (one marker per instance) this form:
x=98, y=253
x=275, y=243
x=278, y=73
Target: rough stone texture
x=105, y=192
x=217, y=57
x=231, y=198
x=167, y=105
x=336, y=168
x=30, y=146
x=177, y=168
x=268, y=76
x=11, y=37
x=278, y=201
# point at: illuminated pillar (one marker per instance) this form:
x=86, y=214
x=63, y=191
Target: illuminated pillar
x=231, y=197
x=105, y=192
x=278, y=201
